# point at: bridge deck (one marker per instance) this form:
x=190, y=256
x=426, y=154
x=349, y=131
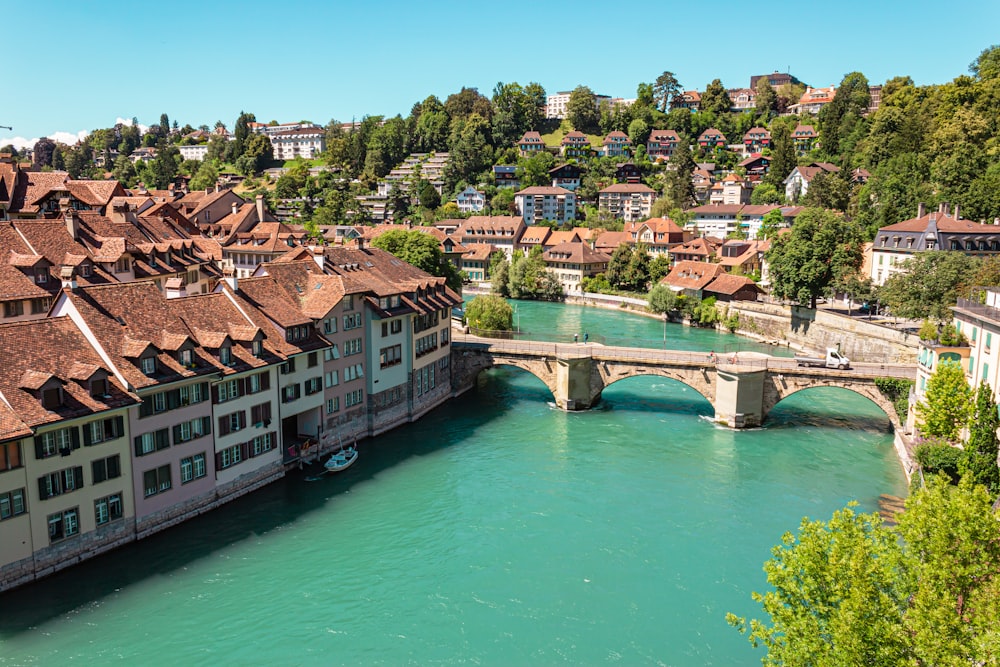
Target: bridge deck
x=637, y=355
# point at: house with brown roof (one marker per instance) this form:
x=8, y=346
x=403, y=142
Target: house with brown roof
x=628, y=201
x=742, y=99
x=728, y=287
x=504, y=232
x=701, y=249
x=575, y=144
x=65, y=481
x=661, y=145
x=702, y=181
x=40, y=194
x=566, y=176
x=657, y=235
x=628, y=172
x=689, y=99
x=571, y=262
x=692, y=277
x=552, y=204
x=797, y=182
x=943, y=229
x=536, y=235
x=608, y=242
x=755, y=166
x=804, y=137
x=742, y=256
x=476, y=260
x=616, y=144
x=755, y=140
x=529, y=144
x=813, y=100
x=732, y=190
x=712, y=139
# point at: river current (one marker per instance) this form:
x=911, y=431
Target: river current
x=497, y=530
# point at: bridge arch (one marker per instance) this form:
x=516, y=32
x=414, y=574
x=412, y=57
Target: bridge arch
x=544, y=370
x=867, y=390
x=698, y=381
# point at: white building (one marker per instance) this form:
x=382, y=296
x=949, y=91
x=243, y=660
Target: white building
x=196, y=152
x=629, y=201
x=304, y=142
x=539, y=203
x=470, y=200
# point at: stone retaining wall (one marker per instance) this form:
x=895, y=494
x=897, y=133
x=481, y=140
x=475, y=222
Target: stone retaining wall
x=858, y=339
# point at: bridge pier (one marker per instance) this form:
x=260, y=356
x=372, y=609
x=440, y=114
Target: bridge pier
x=739, y=396
x=574, y=387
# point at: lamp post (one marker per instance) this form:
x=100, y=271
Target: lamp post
x=664, y=331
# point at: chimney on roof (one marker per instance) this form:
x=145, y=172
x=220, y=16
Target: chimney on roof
x=260, y=208
x=943, y=208
x=229, y=276
x=118, y=212
x=360, y=242
x=920, y=210
x=72, y=224
x=236, y=208
x=318, y=256
x=67, y=276
x=209, y=191
x=956, y=213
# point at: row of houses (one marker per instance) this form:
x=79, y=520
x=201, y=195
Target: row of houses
x=288, y=140
x=662, y=143
x=133, y=409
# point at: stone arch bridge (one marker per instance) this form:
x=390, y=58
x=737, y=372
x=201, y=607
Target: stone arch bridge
x=742, y=387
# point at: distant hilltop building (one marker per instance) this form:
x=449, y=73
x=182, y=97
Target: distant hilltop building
x=555, y=106
x=775, y=79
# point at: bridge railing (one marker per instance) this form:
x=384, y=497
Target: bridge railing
x=543, y=336
x=700, y=359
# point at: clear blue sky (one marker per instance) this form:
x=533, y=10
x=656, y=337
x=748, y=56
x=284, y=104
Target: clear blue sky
x=79, y=65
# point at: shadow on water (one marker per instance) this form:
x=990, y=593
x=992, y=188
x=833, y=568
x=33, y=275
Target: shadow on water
x=255, y=514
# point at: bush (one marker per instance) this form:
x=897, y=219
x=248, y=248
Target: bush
x=936, y=456
x=951, y=337
x=928, y=331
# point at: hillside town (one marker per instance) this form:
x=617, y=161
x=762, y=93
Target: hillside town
x=190, y=311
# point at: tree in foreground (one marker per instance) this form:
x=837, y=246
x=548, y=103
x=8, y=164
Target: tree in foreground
x=422, y=251
x=821, y=251
x=851, y=592
x=945, y=408
x=662, y=299
x=489, y=312
x=929, y=284
x=979, y=462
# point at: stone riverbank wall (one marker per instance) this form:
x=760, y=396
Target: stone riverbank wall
x=859, y=339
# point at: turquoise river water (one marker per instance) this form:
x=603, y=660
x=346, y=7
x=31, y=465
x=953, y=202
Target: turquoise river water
x=496, y=531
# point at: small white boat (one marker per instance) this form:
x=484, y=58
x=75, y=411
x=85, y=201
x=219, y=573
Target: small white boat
x=341, y=459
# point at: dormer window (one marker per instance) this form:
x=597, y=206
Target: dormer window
x=226, y=355
x=52, y=398
x=122, y=265
x=99, y=387
x=186, y=357
x=148, y=365
x=257, y=347
x=152, y=259
x=41, y=275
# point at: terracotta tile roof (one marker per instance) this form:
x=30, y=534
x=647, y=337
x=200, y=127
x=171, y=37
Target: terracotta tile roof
x=688, y=274
x=700, y=247
x=616, y=137
x=530, y=138
x=59, y=352
x=664, y=135
x=729, y=284
x=535, y=234
x=577, y=252
x=559, y=237
x=479, y=251
x=497, y=225
x=611, y=240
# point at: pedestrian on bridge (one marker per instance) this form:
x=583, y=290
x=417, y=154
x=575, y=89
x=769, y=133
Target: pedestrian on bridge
x=585, y=336
x=576, y=338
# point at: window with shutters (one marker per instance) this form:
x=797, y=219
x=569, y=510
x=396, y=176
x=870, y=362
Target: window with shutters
x=331, y=353
x=156, y=481
x=332, y=405
x=230, y=456
x=288, y=366
x=62, y=442
x=108, y=509
x=314, y=385
x=330, y=325
x=260, y=415
x=64, y=524
x=291, y=392
x=261, y=444
x=12, y=504
x=103, y=430
x=10, y=456
x=235, y=421
x=154, y=441
x=59, y=482
x=105, y=469
x=312, y=359
x=332, y=378
x=189, y=430
x=192, y=468
x=229, y=390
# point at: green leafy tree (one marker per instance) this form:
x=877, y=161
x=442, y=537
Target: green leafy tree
x=827, y=190
x=928, y=285
x=770, y=224
x=679, y=190
x=490, y=312
x=980, y=461
x=783, y=158
x=582, y=112
x=534, y=170
x=617, y=271
x=499, y=274
x=665, y=89
x=471, y=153
x=839, y=119
x=821, y=251
x=766, y=100
x=837, y=596
x=765, y=193
x=659, y=267
x=422, y=251
x=503, y=201
x=206, y=176
x=716, y=99
x=124, y=172
x=944, y=412
x=662, y=299
x=853, y=592
x=429, y=196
